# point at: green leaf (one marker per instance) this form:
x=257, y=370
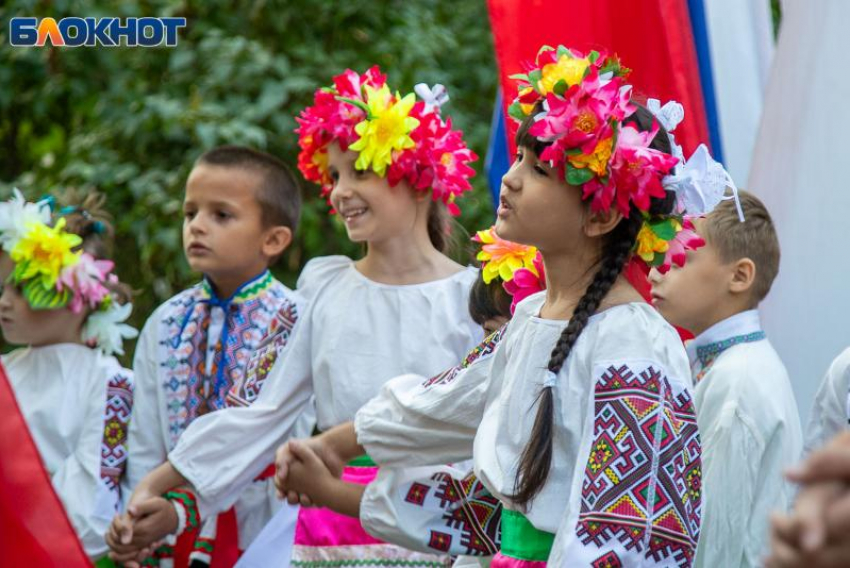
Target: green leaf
x=658, y=259
x=545, y=48
x=593, y=56
x=519, y=77
x=41, y=298
x=562, y=51
x=560, y=87
x=578, y=176
x=534, y=77
x=515, y=111
x=663, y=229
x=359, y=104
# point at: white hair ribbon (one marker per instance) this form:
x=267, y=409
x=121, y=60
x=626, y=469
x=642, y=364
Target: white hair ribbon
x=433, y=97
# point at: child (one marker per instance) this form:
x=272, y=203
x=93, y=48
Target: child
x=62, y=301
x=408, y=506
x=746, y=409
x=241, y=210
x=390, y=167
x=831, y=409
x=577, y=413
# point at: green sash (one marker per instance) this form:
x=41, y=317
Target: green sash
x=522, y=541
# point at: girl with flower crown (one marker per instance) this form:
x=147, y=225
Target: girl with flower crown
x=578, y=412
x=61, y=300
x=391, y=167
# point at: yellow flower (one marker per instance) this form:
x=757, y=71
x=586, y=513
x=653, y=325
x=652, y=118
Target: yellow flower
x=44, y=251
x=598, y=160
x=501, y=258
x=570, y=69
x=648, y=243
x=386, y=129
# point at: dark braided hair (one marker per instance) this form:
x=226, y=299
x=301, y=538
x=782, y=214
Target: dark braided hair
x=536, y=459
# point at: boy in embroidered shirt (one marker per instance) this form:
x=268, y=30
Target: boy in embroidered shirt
x=240, y=211
x=747, y=415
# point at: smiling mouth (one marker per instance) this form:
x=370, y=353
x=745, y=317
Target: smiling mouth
x=351, y=214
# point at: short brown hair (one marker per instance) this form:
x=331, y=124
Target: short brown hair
x=755, y=239
x=279, y=195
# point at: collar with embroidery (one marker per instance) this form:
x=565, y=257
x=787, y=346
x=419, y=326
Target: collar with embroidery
x=744, y=327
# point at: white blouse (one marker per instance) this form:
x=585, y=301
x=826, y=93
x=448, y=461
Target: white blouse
x=77, y=403
x=750, y=431
x=831, y=409
x=354, y=336
x=624, y=423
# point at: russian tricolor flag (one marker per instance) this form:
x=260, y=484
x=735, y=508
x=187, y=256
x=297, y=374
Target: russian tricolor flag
x=710, y=55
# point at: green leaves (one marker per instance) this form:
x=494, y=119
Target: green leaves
x=578, y=176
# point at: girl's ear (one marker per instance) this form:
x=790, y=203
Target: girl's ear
x=601, y=223
x=276, y=241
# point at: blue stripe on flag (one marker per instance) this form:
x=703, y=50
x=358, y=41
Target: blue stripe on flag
x=700, y=31
x=497, y=162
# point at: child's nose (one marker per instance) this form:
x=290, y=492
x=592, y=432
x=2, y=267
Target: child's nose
x=654, y=276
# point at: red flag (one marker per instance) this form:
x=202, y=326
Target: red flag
x=652, y=37
x=33, y=524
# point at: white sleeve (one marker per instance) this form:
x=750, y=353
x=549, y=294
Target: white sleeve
x=434, y=509
x=415, y=422
x=831, y=408
x=725, y=539
x=146, y=441
x=221, y=453
x=635, y=499
x=89, y=502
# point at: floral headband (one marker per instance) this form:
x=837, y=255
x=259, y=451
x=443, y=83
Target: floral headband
x=53, y=272
x=583, y=102
x=397, y=137
x=519, y=267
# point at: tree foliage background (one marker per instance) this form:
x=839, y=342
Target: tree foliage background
x=131, y=121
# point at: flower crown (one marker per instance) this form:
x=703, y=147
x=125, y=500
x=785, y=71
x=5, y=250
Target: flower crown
x=397, y=137
x=53, y=272
x=583, y=103
x=519, y=267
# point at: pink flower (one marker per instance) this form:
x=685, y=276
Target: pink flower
x=686, y=239
x=525, y=282
x=438, y=162
x=637, y=169
x=584, y=114
x=85, y=280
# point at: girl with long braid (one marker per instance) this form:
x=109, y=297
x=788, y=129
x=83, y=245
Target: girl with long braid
x=578, y=412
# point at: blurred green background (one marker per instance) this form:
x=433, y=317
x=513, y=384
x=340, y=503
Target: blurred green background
x=130, y=121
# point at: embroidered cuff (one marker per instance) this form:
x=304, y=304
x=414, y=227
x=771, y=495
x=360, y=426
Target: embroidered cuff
x=186, y=506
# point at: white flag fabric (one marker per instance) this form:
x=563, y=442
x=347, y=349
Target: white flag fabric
x=799, y=171
x=273, y=546
x=740, y=37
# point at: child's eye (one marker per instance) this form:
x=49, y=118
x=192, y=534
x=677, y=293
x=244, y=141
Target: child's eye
x=189, y=215
x=223, y=215
x=360, y=174
x=518, y=157
x=541, y=170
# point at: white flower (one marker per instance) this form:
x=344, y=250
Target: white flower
x=107, y=329
x=16, y=215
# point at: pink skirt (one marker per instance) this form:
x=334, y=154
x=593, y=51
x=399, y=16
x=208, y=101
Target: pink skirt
x=325, y=539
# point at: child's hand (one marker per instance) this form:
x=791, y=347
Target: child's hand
x=132, y=536
x=119, y=538
x=309, y=476
x=286, y=457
